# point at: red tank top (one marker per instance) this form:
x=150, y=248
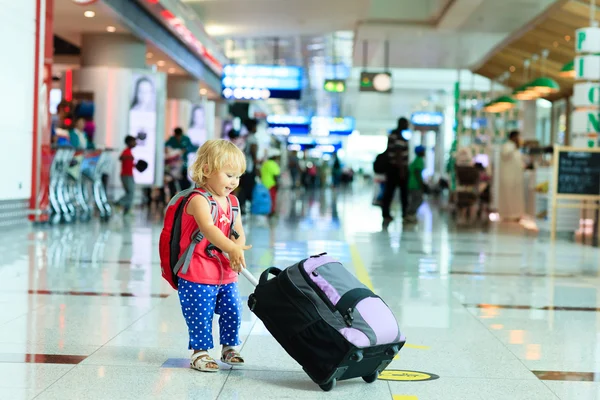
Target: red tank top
x=206, y=269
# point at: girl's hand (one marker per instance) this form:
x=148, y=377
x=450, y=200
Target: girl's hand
x=236, y=257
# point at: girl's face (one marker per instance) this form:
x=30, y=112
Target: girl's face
x=223, y=183
x=145, y=93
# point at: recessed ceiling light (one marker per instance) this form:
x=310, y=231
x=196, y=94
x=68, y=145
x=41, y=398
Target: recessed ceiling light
x=149, y=55
x=567, y=38
x=160, y=63
x=171, y=70
x=89, y=14
x=111, y=29
x=512, y=68
x=203, y=91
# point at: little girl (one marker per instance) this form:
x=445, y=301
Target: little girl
x=209, y=286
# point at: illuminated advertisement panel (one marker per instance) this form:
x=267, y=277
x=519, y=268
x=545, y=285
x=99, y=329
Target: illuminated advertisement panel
x=256, y=82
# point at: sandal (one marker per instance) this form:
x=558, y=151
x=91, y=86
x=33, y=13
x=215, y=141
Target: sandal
x=201, y=362
x=232, y=357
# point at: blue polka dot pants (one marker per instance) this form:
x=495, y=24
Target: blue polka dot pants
x=200, y=302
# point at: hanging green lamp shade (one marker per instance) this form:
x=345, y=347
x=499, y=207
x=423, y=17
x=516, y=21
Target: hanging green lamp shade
x=568, y=70
x=500, y=104
x=504, y=103
x=545, y=86
x=488, y=107
x=525, y=92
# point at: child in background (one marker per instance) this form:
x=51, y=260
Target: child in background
x=209, y=286
x=416, y=186
x=269, y=173
x=127, y=164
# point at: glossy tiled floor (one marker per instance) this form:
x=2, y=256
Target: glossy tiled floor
x=495, y=314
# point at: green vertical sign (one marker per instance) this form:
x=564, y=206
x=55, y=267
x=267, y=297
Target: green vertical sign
x=456, y=105
x=579, y=67
x=594, y=122
x=580, y=39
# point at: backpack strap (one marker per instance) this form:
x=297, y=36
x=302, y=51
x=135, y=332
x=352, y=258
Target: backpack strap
x=235, y=210
x=184, y=261
x=214, y=208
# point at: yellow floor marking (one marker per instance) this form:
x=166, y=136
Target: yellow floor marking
x=404, y=397
x=359, y=267
x=415, y=346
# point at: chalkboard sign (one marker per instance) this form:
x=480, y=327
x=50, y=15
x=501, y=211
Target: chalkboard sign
x=578, y=173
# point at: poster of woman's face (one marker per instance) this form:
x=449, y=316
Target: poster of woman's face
x=144, y=94
x=197, y=129
x=142, y=124
x=197, y=119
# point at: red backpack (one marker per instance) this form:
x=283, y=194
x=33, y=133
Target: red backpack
x=170, y=236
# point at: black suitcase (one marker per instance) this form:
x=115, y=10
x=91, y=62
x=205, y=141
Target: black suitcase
x=314, y=331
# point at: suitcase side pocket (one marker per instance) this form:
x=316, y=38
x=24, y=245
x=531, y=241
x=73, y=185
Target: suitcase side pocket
x=320, y=349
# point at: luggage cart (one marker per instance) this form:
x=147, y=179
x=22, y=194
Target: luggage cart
x=95, y=164
x=61, y=208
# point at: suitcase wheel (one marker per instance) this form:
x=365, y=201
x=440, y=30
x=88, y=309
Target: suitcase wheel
x=371, y=378
x=328, y=386
x=358, y=356
x=392, y=351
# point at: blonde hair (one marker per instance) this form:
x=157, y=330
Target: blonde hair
x=213, y=156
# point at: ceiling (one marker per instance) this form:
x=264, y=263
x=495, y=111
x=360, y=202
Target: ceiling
x=554, y=30
x=70, y=24
x=423, y=33
x=460, y=37
x=450, y=34
x=260, y=18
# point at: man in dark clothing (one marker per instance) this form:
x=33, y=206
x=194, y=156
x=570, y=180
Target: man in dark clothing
x=397, y=170
x=248, y=180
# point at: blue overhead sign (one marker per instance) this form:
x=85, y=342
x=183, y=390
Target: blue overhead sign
x=255, y=82
x=324, y=144
x=285, y=125
x=323, y=126
x=426, y=118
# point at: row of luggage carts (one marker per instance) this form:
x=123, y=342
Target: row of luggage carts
x=77, y=190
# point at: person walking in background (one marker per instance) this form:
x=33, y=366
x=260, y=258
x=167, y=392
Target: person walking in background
x=416, y=186
x=77, y=136
x=270, y=172
x=511, y=199
x=248, y=180
x=181, y=142
x=336, y=171
x=127, y=165
x=294, y=168
x=397, y=170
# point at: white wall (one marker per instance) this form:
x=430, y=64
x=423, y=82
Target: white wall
x=17, y=41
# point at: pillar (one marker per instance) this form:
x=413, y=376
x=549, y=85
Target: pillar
x=529, y=120
x=42, y=82
x=129, y=99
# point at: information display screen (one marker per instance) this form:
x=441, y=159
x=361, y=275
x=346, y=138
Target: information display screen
x=256, y=82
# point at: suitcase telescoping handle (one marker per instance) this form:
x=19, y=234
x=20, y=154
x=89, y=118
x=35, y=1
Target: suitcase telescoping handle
x=263, y=277
x=250, y=277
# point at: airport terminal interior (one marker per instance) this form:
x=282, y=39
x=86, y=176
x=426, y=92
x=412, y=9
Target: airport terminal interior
x=419, y=182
